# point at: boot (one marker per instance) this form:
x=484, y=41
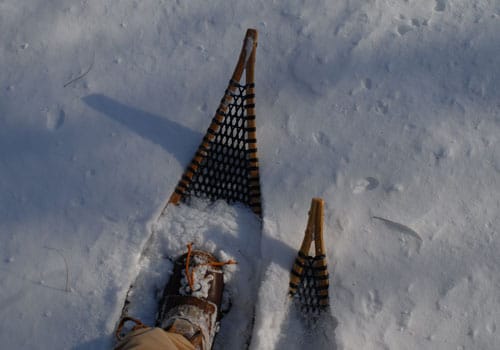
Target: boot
x=192, y=298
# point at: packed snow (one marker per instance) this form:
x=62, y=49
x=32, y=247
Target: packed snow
x=387, y=109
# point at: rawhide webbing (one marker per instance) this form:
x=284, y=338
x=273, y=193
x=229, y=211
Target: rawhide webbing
x=309, y=278
x=311, y=293
x=226, y=165
x=223, y=172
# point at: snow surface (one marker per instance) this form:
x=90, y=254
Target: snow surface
x=388, y=109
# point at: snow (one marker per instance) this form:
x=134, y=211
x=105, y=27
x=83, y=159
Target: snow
x=386, y=109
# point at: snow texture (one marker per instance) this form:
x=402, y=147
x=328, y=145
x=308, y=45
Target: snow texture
x=386, y=109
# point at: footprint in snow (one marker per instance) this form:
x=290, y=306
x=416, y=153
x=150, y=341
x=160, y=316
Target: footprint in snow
x=367, y=184
x=440, y=5
x=55, y=119
x=364, y=84
x=404, y=28
x=372, y=303
x=367, y=83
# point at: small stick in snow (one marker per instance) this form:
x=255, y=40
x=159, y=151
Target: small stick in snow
x=82, y=75
x=402, y=228
x=67, y=289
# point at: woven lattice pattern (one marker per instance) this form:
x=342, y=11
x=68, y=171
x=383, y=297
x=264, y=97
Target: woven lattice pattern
x=312, y=292
x=223, y=172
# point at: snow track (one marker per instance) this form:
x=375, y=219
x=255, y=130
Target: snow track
x=228, y=232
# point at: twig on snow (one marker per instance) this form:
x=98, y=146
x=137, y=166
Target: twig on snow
x=82, y=75
x=67, y=289
x=401, y=228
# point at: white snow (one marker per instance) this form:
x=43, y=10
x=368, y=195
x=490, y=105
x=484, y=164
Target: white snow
x=386, y=109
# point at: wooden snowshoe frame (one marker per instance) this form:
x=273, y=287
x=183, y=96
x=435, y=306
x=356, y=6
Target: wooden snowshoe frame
x=309, y=279
x=238, y=102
